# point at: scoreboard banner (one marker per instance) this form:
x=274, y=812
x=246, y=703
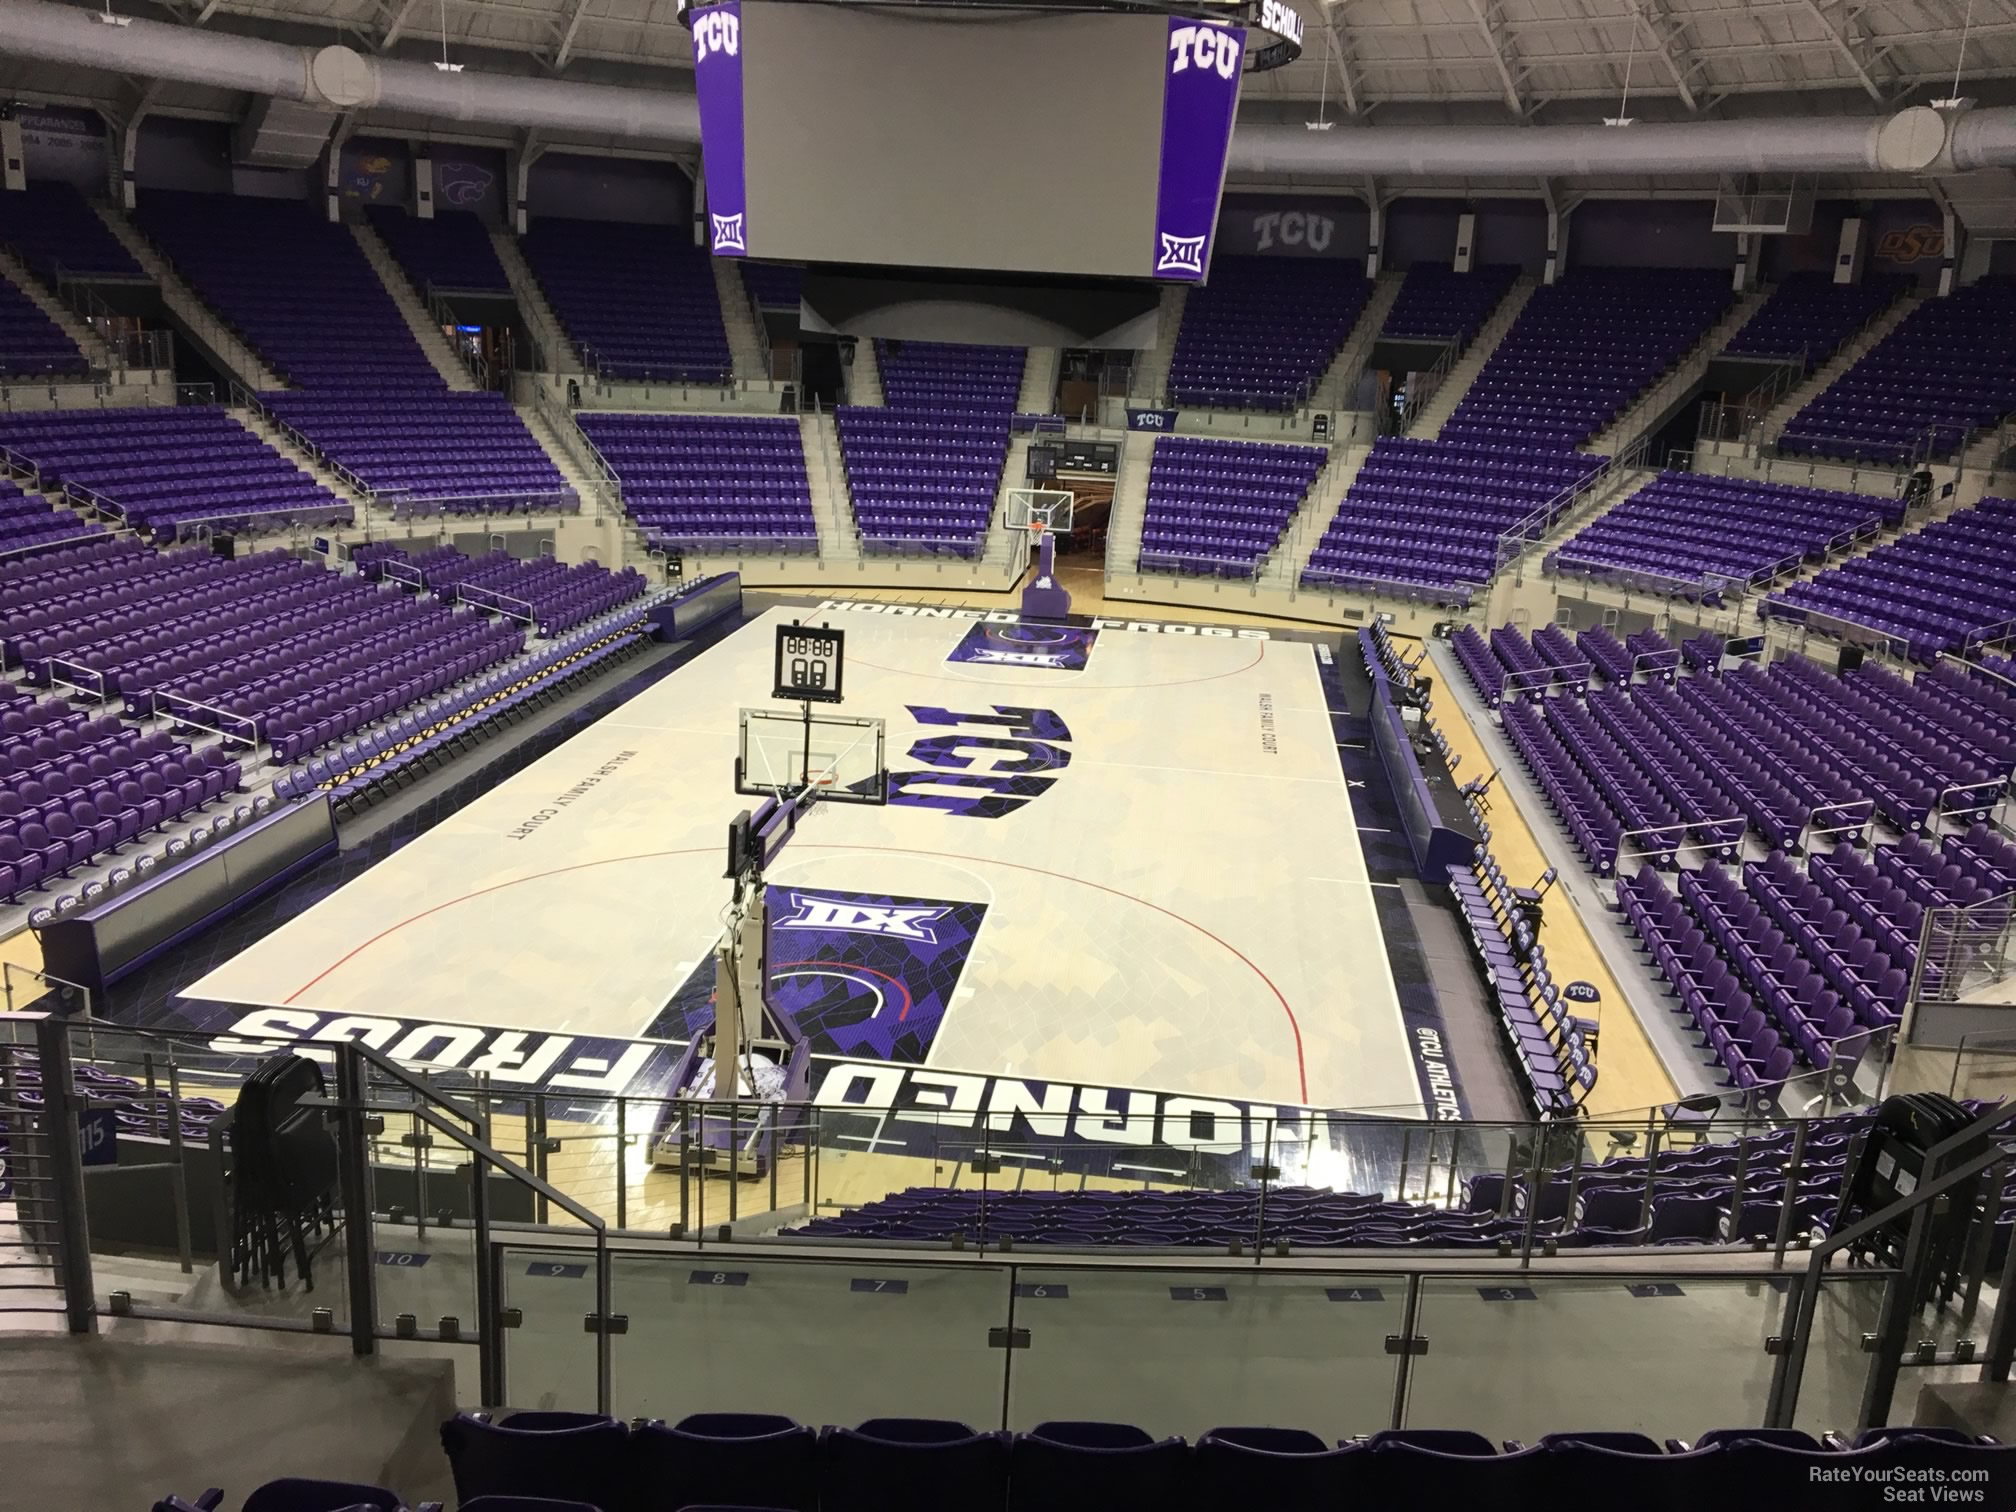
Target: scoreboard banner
x=1200, y=97
x=717, y=79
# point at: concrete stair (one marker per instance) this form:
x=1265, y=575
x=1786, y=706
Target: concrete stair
x=1290, y=557
x=223, y=344
x=1336, y=389
x=745, y=348
x=1852, y=351
x=1618, y=487
x=556, y=354
x=95, y=350
x=831, y=514
x=1463, y=372
x=276, y=438
x=1151, y=373
x=865, y=384
x=570, y=459
x=1645, y=413
x=423, y=326
x=1039, y=381
x=1130, y=502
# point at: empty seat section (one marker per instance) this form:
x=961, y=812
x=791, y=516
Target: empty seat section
x=1438, y=304
x=53, y=229
x=1428, y=517
x=1809, y=316
x=1583, y=349
x=162, y=468
x=1934, y=590
x=709, y=482
x=1698, y=535
x=1947, y=370
x=450, y=252
x=1262, y=333
x=1218, y=507
x=638, y=302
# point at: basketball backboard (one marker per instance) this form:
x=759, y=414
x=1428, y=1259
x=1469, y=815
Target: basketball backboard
x=781, y=752
x=1049, y=507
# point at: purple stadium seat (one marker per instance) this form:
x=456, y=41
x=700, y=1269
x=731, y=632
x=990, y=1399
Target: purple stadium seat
x=911, y=1465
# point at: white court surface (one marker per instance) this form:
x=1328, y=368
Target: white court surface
x=1186, y=908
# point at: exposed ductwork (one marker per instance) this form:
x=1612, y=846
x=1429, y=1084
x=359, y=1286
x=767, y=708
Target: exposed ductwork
x=336, y=78
x=1906, y=143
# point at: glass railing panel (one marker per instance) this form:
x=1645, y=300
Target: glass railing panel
x=830, y=1341
x=1187, y=1350
x=423, y=1188
x=1667, y=1354
x=548, y=1293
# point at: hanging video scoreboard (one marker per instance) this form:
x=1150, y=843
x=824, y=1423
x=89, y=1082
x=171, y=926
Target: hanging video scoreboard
x=810, y=661
x=824, y=140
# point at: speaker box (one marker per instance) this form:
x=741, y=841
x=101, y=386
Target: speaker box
x=1851, y=658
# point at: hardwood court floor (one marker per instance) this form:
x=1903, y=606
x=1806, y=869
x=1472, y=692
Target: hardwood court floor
x=1183, y=909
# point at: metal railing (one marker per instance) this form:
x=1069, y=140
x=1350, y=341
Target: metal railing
x=435, y=1171
x=1568, y=506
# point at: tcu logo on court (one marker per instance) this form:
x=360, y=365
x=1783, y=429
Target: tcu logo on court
x=1298, y=228
x=1181, y=254
x=868, y=918
x=728, y=233
x=1021, y=746
x=715, y=32
x=1206, y=46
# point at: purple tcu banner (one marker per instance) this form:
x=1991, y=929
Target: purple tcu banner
x=717, y=77
x=861, y=975
x=1200, y=93
x=1060, y=648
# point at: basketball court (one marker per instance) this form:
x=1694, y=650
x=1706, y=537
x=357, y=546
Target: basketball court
x=1108, y=857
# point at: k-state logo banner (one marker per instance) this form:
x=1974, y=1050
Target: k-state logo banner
x=717, y=78
x=1200, y=92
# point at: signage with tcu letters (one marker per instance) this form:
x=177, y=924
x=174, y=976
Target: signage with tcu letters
x=1200, y=93
x=717, y=79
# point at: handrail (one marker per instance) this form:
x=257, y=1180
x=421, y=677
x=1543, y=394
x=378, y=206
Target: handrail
x=1801, y=1306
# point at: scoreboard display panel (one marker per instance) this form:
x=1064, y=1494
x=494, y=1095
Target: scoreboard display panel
x=810, y=659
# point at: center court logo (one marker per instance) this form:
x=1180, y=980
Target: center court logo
x=728, y=233
x=864, y=918
x=1181, y=254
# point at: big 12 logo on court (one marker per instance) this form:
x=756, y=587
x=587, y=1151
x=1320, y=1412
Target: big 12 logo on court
x=1021, y=747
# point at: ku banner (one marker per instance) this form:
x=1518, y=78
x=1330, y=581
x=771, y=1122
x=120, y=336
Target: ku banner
x=1200, y=93
x=717, y=78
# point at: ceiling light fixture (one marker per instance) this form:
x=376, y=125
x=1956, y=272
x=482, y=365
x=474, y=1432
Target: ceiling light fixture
x=1955, y=101
x=444, y=66
x=1624, y=116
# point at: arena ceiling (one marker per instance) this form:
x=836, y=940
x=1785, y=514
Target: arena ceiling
x=1680, y=57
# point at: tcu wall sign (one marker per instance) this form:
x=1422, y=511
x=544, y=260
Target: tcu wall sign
x=1293, y=228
